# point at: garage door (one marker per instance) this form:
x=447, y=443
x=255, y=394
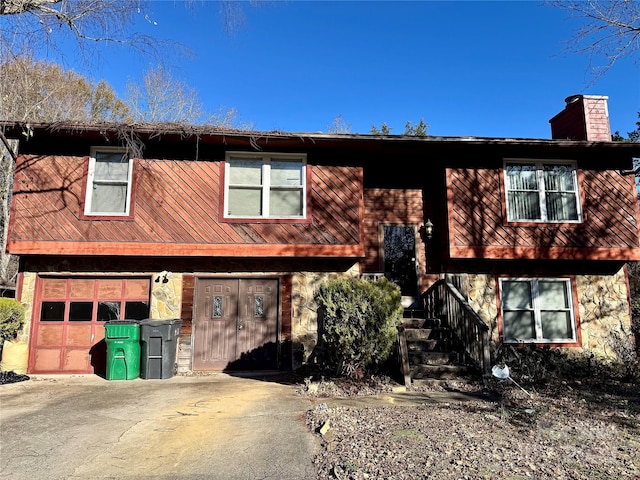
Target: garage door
x=235, y=324
x=67, y=333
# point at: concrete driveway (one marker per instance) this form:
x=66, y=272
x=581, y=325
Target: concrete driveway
x=184, y=427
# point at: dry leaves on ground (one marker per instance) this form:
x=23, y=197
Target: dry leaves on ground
x=561, y=432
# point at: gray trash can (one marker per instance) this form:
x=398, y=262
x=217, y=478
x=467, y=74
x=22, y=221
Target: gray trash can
x=158, y=347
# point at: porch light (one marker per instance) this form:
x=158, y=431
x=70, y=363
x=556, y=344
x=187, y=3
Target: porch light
x=426, y=230
x=163, y=276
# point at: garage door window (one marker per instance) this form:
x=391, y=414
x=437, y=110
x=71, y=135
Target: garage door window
x=83, y=311
x=52, y=312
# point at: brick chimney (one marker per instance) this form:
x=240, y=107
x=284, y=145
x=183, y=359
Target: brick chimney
x=585, y=117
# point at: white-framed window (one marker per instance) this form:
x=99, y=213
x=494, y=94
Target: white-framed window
x=537, y=310
x=109, y=182
x=265, y=186
x=542, y=191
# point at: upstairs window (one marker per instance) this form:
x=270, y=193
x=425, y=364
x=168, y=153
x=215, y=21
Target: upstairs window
x=265, y=186
x=542, y=191
x=538, y=310
x=109, y=182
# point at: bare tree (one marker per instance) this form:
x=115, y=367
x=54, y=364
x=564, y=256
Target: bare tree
x=40, y=91
x=29, y=25
x=8, y=263
x=610, y=30
x=161, y=98
x=339, y=125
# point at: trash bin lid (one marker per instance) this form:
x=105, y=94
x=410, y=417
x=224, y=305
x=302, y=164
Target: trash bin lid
x=152, y=321
x=122, y=322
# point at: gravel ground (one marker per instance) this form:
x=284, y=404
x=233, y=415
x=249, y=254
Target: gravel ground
x=557, y=432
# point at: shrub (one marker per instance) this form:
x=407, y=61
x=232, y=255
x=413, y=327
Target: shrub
x=358, y=323
x=11, y=318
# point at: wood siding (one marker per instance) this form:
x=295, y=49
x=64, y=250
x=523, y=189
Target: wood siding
x=478, y=226
x=176, y=212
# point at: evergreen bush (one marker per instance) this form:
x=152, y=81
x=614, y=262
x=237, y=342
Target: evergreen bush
x=358, y=321
x=11, y=318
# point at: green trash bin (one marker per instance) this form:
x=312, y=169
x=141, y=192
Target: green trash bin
x=123, y=349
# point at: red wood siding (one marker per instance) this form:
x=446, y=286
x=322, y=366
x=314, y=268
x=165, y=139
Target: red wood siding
x=176, y=213
x=478, y=227
x=186, y=308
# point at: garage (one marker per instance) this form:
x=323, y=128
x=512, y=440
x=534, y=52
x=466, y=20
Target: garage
x=69, y=315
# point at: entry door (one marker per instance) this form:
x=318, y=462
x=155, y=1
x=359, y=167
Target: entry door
x=235, y=325
x=400, y=265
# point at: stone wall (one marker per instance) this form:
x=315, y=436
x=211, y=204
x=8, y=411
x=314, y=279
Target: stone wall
x=166, y=297
x=603, y=308
x=27, y=298
x=605, y=318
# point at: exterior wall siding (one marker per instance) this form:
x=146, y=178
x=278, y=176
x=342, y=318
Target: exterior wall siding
x=48, y=203
x=604, y=312
x=478, y=226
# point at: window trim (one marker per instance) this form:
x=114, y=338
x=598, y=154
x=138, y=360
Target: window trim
x=85, y=210
x=573, y=310
x=539, y=164
x=266, y=158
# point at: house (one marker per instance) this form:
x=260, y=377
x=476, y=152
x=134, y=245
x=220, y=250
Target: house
x=232, y=231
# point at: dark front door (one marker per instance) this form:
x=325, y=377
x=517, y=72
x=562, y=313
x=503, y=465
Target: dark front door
x=235, y=324
x=400, y=265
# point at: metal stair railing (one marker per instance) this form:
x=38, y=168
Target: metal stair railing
x=443, y=301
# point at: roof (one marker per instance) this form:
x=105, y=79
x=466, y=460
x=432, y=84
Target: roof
x=156, y=130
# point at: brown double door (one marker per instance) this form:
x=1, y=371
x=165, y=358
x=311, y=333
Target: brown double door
x=235, y=324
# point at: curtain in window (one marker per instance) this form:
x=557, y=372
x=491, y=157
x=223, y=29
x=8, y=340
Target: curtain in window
x=560, y=192
x=523, y=192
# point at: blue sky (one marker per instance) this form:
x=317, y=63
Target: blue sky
x=474, y=68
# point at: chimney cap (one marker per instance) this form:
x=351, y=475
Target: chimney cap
x=574, y=98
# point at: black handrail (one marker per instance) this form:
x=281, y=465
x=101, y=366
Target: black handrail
x=443, y=301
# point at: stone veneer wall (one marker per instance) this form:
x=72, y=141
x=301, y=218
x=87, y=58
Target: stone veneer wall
x=304, y=322
x=166, y=298
x=605, y=315
x=604, y=311
x=27, y=298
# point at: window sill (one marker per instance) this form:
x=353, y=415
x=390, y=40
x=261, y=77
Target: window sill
x=98, y=217
x=538, y=343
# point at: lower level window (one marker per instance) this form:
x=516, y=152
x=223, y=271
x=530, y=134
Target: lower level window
x=538, y=310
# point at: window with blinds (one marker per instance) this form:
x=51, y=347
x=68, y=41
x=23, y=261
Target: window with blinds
x=542, y=191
